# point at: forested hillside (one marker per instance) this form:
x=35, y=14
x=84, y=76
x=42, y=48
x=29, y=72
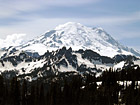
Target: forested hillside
x=111, y=88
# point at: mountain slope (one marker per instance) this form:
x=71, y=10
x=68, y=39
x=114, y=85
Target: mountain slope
x=61, y=60
x=77, y=36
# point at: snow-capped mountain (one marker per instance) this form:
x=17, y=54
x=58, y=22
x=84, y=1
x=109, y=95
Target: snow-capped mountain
x=77, y=36
x=87, y=50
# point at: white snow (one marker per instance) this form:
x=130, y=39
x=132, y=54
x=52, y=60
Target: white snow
x=38, y=47
x=137, y=62
x=93, y=64
x=67, y=69
x=28, y=67
x=99, y=83
x=119, y=65
x=84, y=61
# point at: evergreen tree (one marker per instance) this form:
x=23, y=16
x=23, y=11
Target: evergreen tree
x=1, y=90
x=24, y=92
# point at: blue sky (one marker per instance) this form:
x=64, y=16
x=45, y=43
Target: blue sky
x=120, y=18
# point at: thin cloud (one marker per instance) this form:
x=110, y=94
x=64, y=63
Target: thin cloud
x=13, y=8
x=71, y=2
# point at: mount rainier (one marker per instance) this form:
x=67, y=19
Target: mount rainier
x=70, y=47
x=77, y=36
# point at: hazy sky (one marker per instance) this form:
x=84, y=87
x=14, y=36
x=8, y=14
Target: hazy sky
x=120, y=18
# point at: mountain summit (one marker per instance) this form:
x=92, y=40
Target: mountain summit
x=78, y=36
